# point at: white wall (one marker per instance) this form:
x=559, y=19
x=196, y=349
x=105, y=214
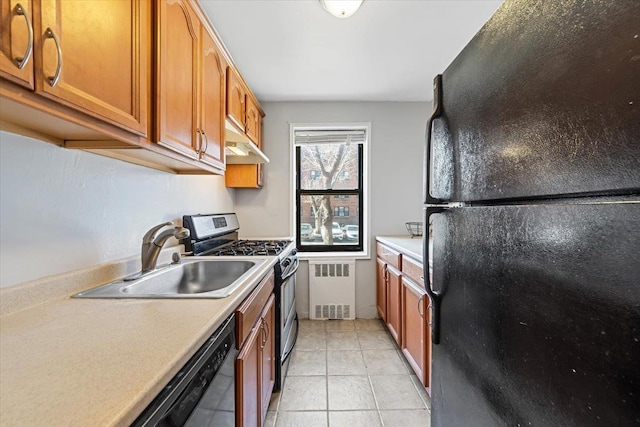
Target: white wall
x=397, y=137
x=62, y=210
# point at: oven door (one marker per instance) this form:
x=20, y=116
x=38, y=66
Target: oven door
x=288, y=316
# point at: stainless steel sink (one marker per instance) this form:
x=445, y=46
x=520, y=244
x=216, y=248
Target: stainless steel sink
x=197, y=278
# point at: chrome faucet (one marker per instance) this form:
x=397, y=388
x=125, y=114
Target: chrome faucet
x=152, y=244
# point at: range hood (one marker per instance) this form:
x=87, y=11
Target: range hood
x=240, y=150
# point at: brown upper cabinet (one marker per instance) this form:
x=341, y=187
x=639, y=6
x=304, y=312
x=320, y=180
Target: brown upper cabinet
x=140, y=81
x=244, y=176
x=190, y=85
x=236, y=95
x=242, y=109
x=89, y=56
x=212, y=123
x=16, y=60
x=253, y=125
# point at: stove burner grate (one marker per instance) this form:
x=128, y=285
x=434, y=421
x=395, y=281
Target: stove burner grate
x=251, y=248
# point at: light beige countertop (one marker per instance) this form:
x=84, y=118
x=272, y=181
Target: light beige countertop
x=100, y=362
x=405, y=244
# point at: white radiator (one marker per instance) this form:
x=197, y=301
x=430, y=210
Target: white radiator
x=332, y=289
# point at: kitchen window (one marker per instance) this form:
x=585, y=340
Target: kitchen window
x=330, y=179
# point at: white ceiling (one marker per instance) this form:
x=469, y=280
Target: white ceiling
x=390, y=50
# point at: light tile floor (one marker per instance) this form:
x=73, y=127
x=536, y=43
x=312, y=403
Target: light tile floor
x=348, y=373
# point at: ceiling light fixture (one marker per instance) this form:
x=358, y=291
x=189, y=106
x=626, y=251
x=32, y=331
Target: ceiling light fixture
x=341, y=8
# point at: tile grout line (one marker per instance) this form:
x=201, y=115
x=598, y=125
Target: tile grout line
x=375, y=400
x=326, y=369
x=373, y=394
x=420, y=393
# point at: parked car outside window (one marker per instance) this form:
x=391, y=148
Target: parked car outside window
x=337, y=231
x=351, y=232
x=306, y=231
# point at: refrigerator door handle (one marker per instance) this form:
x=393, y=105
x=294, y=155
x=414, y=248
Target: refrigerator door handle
x=437, y=111
x=435, y=296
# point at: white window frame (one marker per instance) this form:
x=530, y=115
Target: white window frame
x=365, y=227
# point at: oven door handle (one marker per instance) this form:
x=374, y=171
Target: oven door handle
x=292, y=272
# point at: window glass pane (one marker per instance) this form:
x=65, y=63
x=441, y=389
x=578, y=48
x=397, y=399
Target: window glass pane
x=329, y=220
x=329, y=166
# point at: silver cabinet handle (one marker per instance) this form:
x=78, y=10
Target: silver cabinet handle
x=51, y=35
x=265, y=333
x=22, y=61
x=266, y=330
x=419, y=305
x=199, y=142
x=206, y=144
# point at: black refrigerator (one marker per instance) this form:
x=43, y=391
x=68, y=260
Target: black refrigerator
x=532, y=197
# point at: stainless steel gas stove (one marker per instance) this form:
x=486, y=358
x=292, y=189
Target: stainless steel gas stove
x=217, y=235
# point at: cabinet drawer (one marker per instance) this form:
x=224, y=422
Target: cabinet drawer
x=390, y=256
x=412, y=269
x=249, y=311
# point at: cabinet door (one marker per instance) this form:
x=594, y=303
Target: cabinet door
x=394, y=305
x=16, y=27
x=244, y=176
x=94, y=56
x=236, y=95
x=414, y=328
x=268, y=370
x=212, y=99
x=253, y=121
x=248, y=393
x=177, y=77
x=381, y=289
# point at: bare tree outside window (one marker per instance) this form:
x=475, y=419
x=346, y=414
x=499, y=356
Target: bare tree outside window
x=327, y=167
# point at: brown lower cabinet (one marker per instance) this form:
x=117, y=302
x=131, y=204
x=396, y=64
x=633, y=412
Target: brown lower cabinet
x=416, y=334
x=381, y=289
x=405, y=308
x=394, y=303
x=255, y=365
x=267, y=348
x=389, y=262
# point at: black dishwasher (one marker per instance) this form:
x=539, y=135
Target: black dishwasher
x=203, y=392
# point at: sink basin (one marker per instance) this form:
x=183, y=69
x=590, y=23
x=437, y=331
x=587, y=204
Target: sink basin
x=198, y=278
